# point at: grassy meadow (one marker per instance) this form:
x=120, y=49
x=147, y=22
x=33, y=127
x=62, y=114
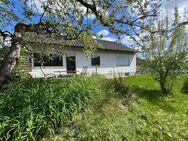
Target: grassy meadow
x=93, y=109
x=148, y=116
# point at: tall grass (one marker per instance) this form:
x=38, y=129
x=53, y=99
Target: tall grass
x=33, y=108
x=151, y=117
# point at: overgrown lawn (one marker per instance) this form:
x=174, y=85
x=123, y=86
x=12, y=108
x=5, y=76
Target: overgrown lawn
x=149, y=117
x=93, y=109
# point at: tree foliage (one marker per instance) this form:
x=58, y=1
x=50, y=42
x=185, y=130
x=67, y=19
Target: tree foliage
x=70, y=17
x=167, y=54
x=71, y=20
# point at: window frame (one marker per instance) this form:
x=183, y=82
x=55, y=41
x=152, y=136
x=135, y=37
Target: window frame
x=123, y=65
x=94, y=57
x=48, y=56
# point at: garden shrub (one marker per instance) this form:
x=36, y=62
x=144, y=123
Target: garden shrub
x=31, y=108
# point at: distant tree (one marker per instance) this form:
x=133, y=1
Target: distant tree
x=167, y=54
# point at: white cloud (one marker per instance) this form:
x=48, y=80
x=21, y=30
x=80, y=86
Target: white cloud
x=109, y=39
x=125, y=40
x=129, y=40
x=106, y=35
x=103, y=33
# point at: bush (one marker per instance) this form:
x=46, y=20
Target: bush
x=31, y=108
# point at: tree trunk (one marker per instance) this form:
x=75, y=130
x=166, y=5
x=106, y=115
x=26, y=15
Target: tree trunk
x=12, y=57
x=163, y=89
x=14, y=53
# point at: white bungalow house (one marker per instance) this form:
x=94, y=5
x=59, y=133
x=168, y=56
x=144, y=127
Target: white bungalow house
x=110, y=59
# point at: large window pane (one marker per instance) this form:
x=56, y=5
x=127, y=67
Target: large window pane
x=48, y=60
x=122, y=61
x=95, y=60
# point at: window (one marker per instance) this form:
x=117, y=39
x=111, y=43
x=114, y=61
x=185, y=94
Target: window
x=122, y=60
x=95, y=60
x=47, y=60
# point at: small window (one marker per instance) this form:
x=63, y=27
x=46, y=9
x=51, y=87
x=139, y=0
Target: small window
x=47, y=60
x=95, y=60
x=122, y=61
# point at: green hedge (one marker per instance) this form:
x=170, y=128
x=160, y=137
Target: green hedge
x=31, y=108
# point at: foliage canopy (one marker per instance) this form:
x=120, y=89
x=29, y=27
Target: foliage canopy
x=167, y=54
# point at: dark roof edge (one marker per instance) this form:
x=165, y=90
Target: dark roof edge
x=115, y=47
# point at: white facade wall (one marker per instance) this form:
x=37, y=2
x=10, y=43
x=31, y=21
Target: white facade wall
x=107, y=66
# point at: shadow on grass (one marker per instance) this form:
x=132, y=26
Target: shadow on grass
x=154, y=97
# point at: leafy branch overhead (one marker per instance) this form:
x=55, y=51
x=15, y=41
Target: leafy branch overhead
x=69, y=17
